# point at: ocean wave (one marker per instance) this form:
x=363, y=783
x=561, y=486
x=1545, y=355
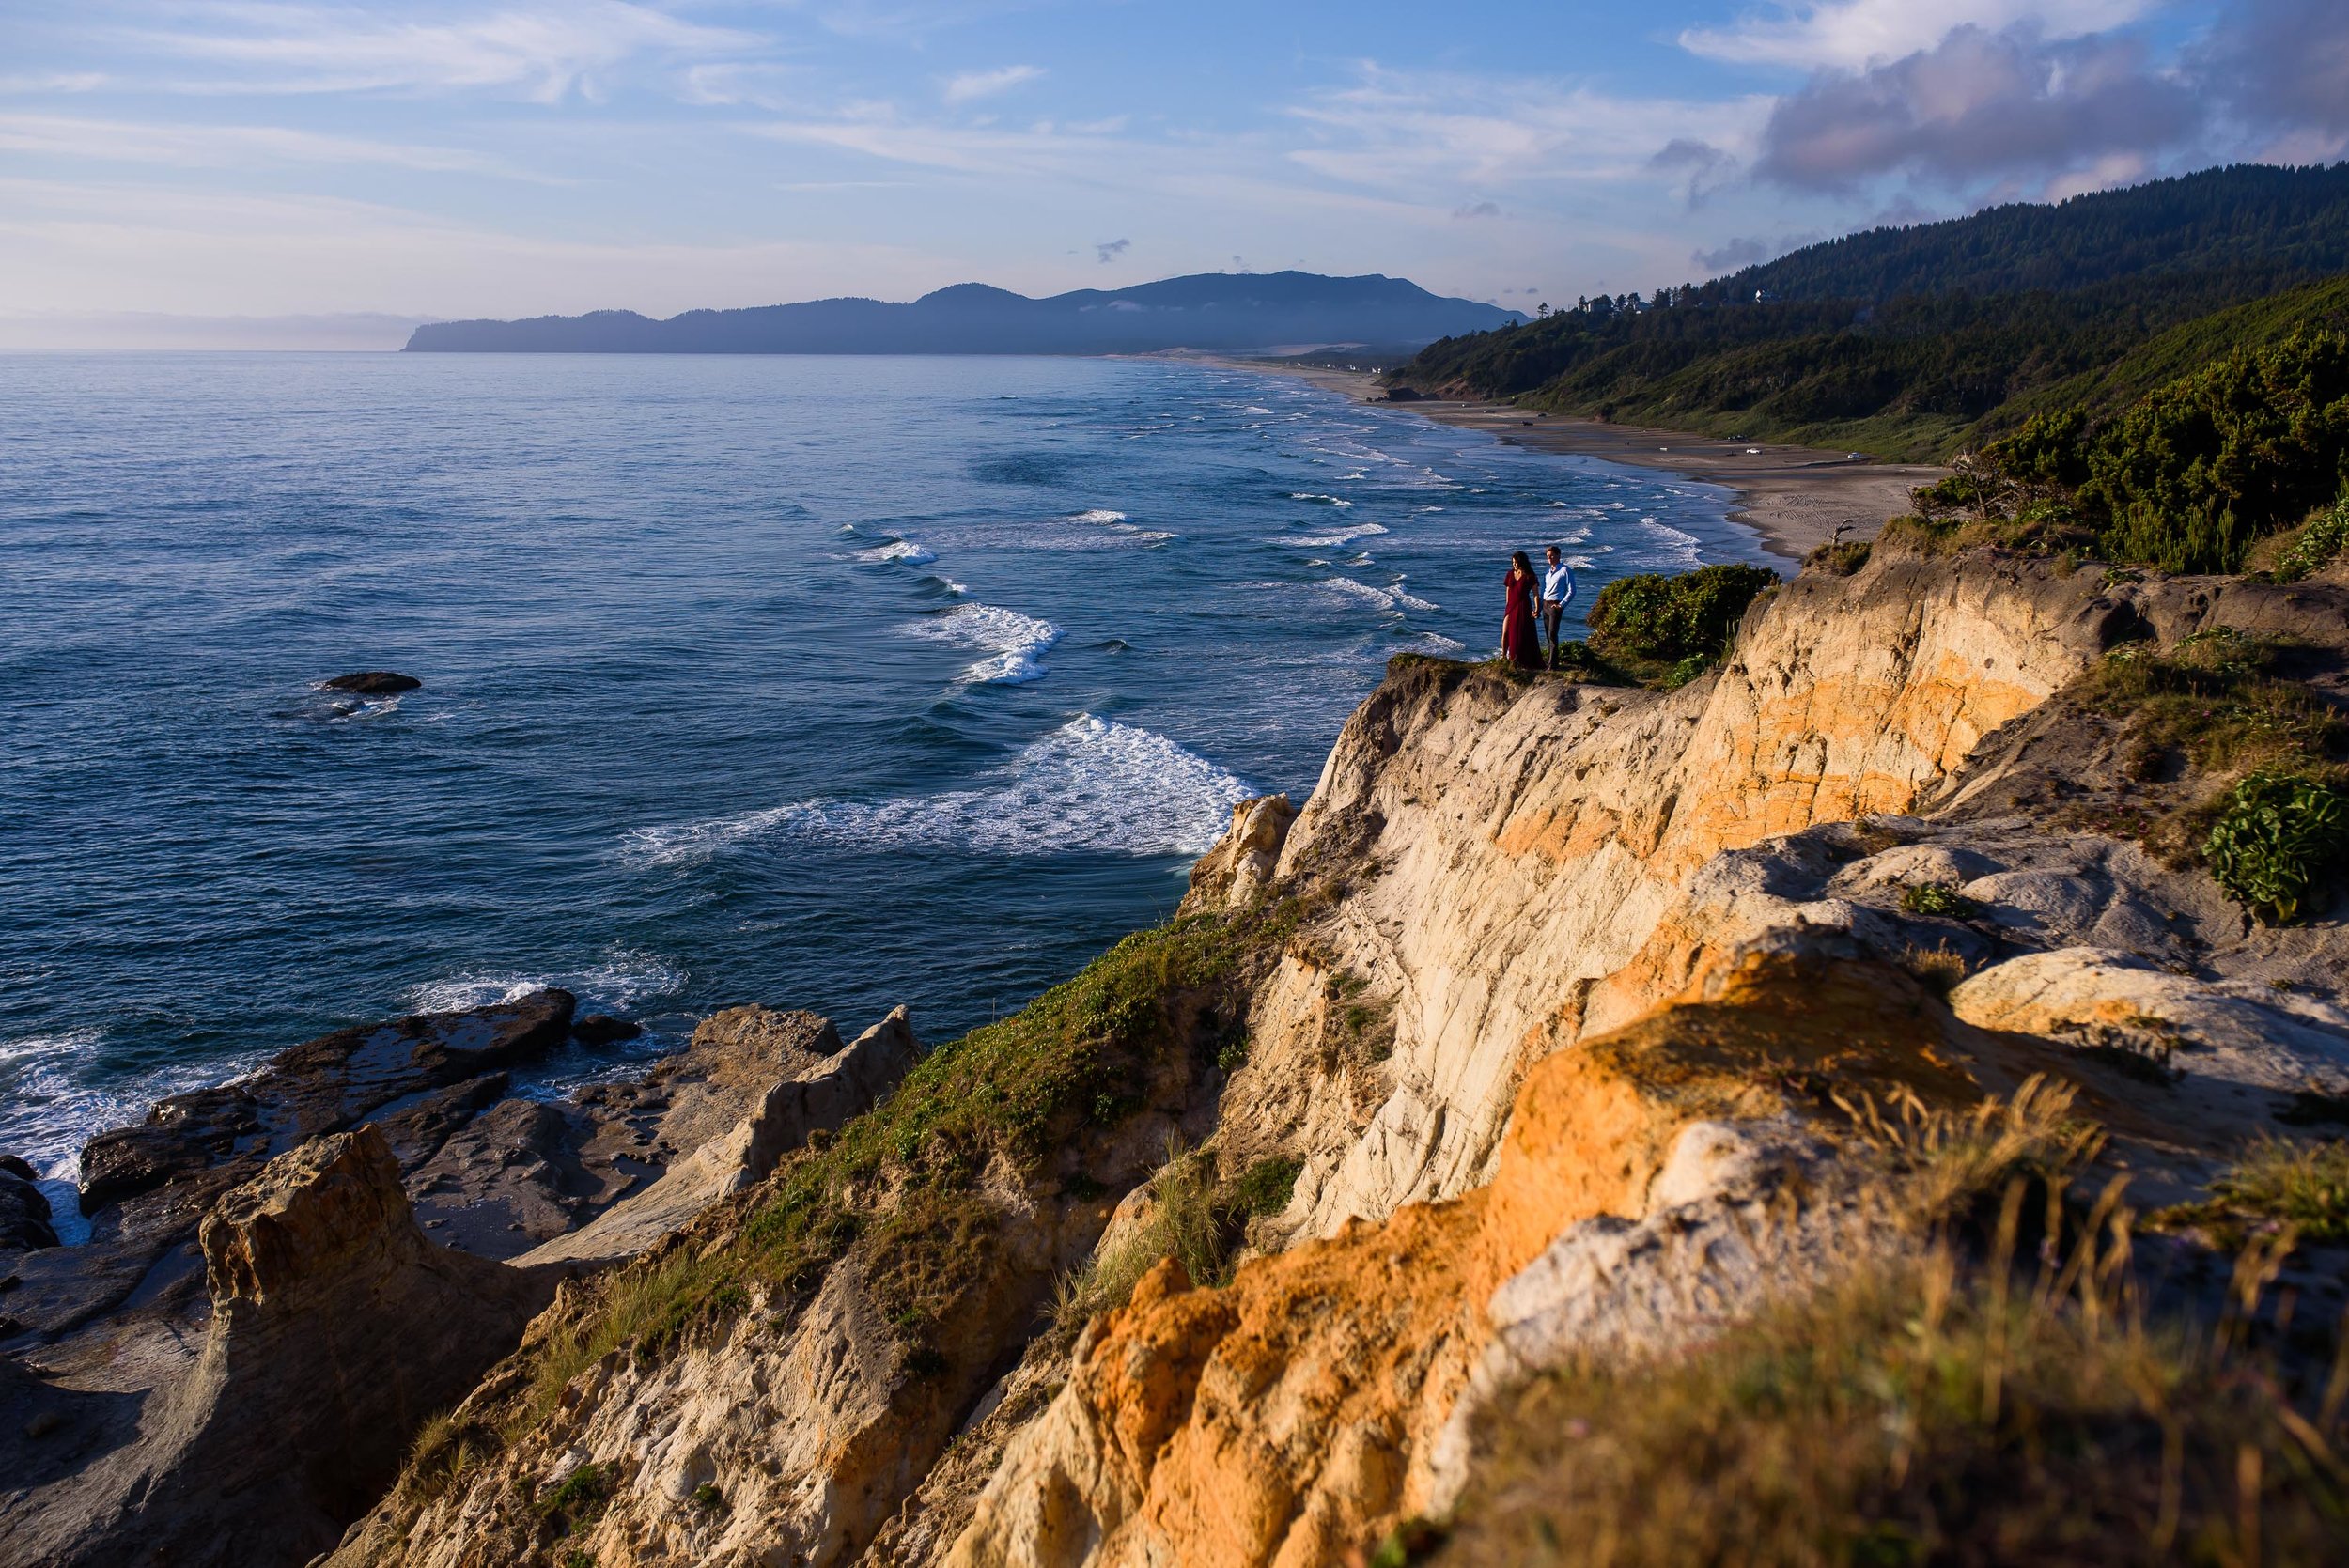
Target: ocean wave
x=1015, y=643
x=948, y=584
x=1325, y=500
x=1333, y=538
x=49, y=1108
x=1099, y=514
x=906, y=551
x=1434, y=644
x=1092, y=784
x=622, y=980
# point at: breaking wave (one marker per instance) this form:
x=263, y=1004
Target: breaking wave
x=1091, y=786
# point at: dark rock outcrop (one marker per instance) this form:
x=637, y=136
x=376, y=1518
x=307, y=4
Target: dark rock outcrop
x=336, y=1328
x=24, y=1210
x=602, y=1028
x=325, y=1085
x=373, y=683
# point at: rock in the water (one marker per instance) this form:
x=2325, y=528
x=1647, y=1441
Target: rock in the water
x=602, y=1028
x=373, y=683
x=325, y=1085
x=336, y=1330
x=24, y=1210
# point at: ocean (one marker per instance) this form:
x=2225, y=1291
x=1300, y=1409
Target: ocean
x=822, y=683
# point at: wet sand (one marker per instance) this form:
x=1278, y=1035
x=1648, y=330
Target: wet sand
x=1795, y=497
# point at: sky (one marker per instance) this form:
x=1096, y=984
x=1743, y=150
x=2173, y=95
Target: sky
x=269, y=174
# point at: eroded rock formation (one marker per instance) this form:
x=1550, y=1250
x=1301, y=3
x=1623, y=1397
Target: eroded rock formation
x=1562, y=1022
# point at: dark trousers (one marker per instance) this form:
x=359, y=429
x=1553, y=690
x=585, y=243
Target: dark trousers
x=1552, y=611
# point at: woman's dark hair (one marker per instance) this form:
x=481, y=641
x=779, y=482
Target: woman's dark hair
x=1521, y=563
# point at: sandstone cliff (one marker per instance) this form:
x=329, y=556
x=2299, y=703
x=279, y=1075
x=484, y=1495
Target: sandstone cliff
x=1564, y=1026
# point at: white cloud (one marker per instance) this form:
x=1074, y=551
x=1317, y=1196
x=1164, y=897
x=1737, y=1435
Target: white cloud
x=1409, y=132
x=225, y=146
x=974, y=85
x=54, y=82
x=546, y=53
x=84, y=247
x=1851, y=34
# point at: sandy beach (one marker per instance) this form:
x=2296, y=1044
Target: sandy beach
x=1795, y=497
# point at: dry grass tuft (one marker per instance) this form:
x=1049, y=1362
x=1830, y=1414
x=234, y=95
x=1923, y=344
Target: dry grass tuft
x=1923, y=1409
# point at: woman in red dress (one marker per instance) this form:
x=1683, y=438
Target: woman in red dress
x=1519, y=644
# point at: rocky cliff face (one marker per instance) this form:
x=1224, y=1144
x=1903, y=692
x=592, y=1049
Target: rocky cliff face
x=235, y=1367
x=1563, y=1022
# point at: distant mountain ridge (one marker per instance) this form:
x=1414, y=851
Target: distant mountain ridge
x=1222, y=311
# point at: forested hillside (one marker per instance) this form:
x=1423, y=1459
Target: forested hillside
x=1925, y=341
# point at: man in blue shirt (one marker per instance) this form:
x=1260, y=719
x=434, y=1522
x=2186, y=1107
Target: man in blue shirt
x=1557, y=590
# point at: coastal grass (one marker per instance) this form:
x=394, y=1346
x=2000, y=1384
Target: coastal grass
x=2261, y=759
x=1923, y=1408
x=2279, y=1186
x=1192, y=1218
x=1906, y=1417
x=902, y=1184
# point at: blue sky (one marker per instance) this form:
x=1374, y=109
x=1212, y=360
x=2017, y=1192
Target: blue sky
x=257, y=158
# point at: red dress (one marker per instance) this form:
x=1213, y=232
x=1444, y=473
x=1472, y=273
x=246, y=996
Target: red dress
x=1519, y=644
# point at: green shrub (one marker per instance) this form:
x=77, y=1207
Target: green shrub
x=2321, y=542
x=2278, y=836
x=1670, y=619
x=1266, y=1186
x=1937, y=899
x=2195, y=472
x=580, y=1499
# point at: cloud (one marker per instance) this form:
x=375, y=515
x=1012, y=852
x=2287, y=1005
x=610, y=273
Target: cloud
x=1983, y=106
x=1477, y=209
x=2282, y=67
x=1111, y=250
x=226, y=145
x=974, y=85
x=85, y=246
x=1702, y=167
x=1409, y=131
x=546, y=53
x=1742, y=253
x=1852, y=35
x=1730, y=258
x=54, y=82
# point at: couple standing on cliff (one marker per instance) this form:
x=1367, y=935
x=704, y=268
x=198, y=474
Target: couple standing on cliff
x=1549, y=593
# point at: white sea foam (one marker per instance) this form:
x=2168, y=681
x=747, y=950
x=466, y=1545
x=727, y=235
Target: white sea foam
x=947, y=582
x=1333, y=538
x=906, y=551
x=1093, y=785
x=1325, y=500
x=49, y=1108
x=1435, y=643
x=1099, y=514
x=1016, y=643
x=622, y=980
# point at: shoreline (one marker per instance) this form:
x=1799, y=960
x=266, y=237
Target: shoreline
x=1793, y=497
